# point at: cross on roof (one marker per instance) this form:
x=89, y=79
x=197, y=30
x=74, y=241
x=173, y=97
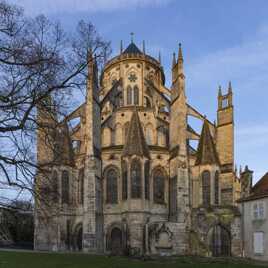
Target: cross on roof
x=132, y=37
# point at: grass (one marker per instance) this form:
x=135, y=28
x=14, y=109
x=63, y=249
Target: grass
x=11, y=259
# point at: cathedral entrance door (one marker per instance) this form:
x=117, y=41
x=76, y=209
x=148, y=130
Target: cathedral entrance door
x=116, y=241
x=79, y=239
x=220, y=242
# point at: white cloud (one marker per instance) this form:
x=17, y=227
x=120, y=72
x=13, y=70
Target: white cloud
x=71, y=6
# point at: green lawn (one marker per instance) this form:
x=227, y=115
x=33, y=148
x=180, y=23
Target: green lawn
x=54, y=260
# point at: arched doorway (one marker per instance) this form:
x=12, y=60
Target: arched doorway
x=78, y=238
x=116, y=241
x=219, y=241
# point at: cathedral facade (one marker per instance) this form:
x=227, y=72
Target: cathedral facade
x=128, y=180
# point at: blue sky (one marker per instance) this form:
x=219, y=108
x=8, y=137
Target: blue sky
x=222, y=41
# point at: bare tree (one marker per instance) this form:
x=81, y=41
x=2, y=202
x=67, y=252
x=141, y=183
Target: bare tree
x=40, y=66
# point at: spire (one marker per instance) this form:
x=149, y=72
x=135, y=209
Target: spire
x=230, y=88
x=180, y=57
x=180, y=60
x=219, y=91
x=174, y=60
x=143, y=47
x=159, y=57
x=121, y=46
x=206, y=152
x=135, y=144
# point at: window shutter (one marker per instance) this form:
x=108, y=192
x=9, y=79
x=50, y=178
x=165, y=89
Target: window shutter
x=258, y=242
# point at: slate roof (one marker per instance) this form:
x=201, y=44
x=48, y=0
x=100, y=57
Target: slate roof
x=206, y=152
x=136, y=143
x=132, y=49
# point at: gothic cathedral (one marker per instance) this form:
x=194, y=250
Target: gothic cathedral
x=128, y=180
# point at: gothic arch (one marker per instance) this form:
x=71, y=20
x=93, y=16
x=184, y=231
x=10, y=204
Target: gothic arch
x=111, y=175
x=219, y=241
x=159, y=181
x=78, y=237
x=136, y=179
x=116, y=238
x=136, y=95
x=206, y=188
x=129, y=95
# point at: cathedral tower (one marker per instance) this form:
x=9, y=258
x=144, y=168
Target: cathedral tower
x=225, y=143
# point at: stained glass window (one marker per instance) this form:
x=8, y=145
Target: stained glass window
x=147, y=180
x=206, y=188
x=136, y=179
x=217, y=188
x=111, y=186
x=124, y=181
x=159, y=186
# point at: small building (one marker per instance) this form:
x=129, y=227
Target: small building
x=254, y=210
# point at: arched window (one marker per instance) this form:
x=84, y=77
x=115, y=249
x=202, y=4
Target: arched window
x=81, y=186
x=147, y=180
x=147, y=102
x=129, y=95
x=136, y=95
x=217, y=188
x=149, y=134
x=206, y=188
x=54, y=187
x=159, y=186
x=219, y=241
x=121, y=101
x=136, y=179
x=65, y=187
x=126, y=127
x=111, y=186
x=124, y=180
